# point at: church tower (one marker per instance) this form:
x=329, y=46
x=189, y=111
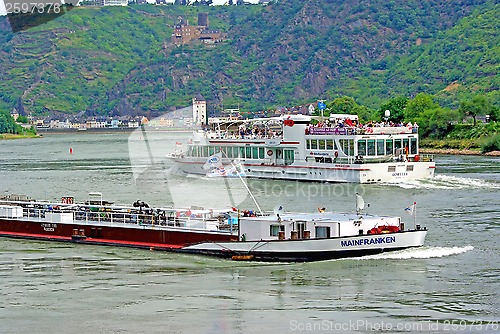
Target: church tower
x=199, y=110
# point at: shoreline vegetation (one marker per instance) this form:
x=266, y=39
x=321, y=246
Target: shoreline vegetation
x=10, y=136
x=472, y=146
x=455, y=151
x=428, y=146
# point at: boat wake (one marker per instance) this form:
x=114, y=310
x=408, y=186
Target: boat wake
x=420, y=253
x=447, y=182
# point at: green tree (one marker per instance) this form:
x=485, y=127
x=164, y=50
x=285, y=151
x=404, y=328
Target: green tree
x=495, y=114
x=7, y=123
x=366, y=114
x=347, y=105
x=436, y=122
x=418, y=106
x=342, y=105
x=479, y=105
x=396, y=106
x=22, y=119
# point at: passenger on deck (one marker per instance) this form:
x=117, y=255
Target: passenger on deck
x=415, y=128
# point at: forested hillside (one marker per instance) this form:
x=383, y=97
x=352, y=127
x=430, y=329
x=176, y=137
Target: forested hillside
x=456, y=64
x=121, y=61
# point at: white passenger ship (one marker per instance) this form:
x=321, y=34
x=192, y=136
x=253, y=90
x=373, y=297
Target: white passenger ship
x=295, y=147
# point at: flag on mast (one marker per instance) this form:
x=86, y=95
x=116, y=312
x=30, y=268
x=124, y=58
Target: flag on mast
x=213, y=161
x=411, y=209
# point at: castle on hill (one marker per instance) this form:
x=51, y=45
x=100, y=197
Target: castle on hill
x=185, y=33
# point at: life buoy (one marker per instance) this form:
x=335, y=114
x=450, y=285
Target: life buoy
x=336, y=154
x=384, y=229
x=269, y=152
x=67, y=200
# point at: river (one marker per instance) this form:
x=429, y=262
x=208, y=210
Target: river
x=449, y=285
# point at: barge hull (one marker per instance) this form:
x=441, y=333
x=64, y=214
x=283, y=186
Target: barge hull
x=294, y=256
x=306, y=250
x=138, y=236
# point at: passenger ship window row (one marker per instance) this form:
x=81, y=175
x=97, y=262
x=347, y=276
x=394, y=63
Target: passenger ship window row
x=321, y=144
x=344, y=145
x=231, y=152
x=386, y=146
x=364, y=146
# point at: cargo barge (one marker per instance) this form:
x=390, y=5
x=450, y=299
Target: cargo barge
x=97, y=222
x=278, y=236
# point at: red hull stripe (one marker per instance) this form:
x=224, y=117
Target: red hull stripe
x=131, y=243
x=33, y=235
x=98, y=241
x=283, y=166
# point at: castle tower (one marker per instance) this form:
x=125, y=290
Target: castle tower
x=203, y=19
x=199, y=110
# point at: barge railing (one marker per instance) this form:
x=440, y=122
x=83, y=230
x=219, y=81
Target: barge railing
x=122, y=216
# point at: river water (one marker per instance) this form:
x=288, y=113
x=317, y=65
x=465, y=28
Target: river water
x=449, y=285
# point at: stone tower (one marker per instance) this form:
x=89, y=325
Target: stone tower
x=199, y=110
x=203, y=19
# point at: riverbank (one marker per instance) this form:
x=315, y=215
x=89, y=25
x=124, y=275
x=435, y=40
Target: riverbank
x=471, y=146
x=454, y=151
x=110, y=130
x=9, y=136
x=43, y=130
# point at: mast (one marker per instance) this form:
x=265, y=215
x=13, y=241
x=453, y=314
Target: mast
x=415, y=215
x=248, y=189
x=244, y=184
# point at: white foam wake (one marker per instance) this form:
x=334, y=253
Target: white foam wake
x=421, y=253
x=447, y=182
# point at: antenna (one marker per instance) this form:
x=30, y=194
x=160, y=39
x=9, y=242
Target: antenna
x=415, y=215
